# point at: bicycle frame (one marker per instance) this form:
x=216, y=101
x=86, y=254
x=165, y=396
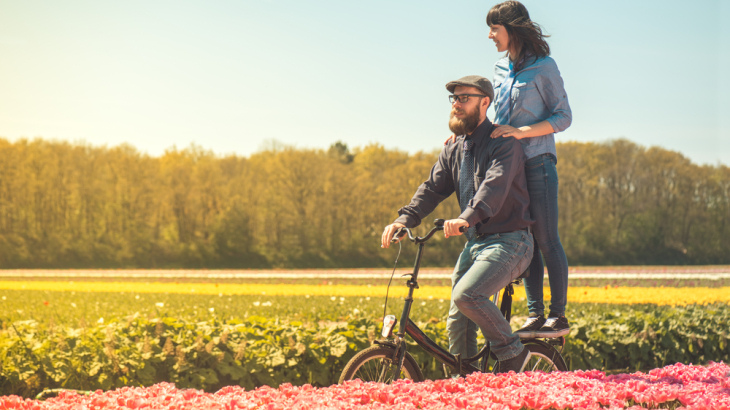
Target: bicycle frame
x=462, y=366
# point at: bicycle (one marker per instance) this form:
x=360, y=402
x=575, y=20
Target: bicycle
x=388, y=359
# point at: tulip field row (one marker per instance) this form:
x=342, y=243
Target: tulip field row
x=576, y=294
x=672, y=387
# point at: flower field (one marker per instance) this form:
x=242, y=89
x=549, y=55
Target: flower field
x=586, y=294
x=672, y=387
x=90, y=334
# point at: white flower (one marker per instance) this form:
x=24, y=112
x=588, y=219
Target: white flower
x=3, y=297
x=20, y=312
x=355, y=311
x=367, y=298
x=137, y=297
x=220, y=295
x=160, y=304
x=306, y=296
x=211, y=310
x=430, y=297
x=263, y=293
x=423, y=303
x=100, y=321
x=73, y=304
x=256, y=303
x=441, y=301
x=266, y=304
x=333, y=298
x=342, y=299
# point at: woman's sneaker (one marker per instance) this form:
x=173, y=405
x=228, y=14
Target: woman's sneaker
x=554, y=327
x=532, y=325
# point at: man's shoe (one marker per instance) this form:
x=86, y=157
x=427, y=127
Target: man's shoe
x=533, y=324
x=554, y=327
x=515, y=364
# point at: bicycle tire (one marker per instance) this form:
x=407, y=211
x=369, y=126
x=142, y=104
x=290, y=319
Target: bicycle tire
x=544, y=358
x=367, y=365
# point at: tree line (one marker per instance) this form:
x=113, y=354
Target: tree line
x=65, y=205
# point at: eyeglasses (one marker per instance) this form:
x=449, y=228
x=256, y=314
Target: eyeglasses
x=462, y=98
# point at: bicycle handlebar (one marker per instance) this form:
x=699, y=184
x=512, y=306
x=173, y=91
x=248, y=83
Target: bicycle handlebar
x=439, y=226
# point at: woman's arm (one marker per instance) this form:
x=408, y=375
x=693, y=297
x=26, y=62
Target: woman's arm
x=528, y=131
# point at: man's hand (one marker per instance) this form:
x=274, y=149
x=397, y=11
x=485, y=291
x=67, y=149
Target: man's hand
x=451, y=227
x=389, y=232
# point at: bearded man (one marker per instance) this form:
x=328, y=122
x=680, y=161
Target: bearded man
x=488, y=178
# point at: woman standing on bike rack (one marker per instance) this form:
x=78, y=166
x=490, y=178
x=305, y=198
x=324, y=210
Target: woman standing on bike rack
x=488, y=177
x=531, y=105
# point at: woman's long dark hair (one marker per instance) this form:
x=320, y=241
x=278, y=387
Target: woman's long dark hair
x=525, y=36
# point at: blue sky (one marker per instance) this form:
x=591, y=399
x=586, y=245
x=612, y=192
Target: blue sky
x=232, y=76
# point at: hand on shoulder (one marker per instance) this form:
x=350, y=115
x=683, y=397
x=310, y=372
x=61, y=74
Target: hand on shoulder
x=507, y=131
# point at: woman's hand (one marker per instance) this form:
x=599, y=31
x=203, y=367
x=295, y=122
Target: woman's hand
x=452, y=138
x=507, y=131
x=528, y=131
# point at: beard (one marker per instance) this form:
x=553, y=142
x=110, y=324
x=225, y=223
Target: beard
x=466, y=125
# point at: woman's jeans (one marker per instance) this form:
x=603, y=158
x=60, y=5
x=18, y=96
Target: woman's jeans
x=542, y=185
x=486, y=265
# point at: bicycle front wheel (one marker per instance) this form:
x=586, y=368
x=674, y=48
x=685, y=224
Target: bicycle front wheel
x=543, y=358
x=376, y=364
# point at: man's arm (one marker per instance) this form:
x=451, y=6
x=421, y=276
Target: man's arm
x=438, y=186
x=507, y=159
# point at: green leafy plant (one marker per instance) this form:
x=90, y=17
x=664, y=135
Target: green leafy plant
x=256, y=351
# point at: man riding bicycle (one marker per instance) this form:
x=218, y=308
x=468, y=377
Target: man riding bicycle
x=488, y=178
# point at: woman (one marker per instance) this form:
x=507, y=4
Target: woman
x=531, y=105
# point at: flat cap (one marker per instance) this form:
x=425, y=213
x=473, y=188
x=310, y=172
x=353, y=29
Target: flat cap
x=476, y=81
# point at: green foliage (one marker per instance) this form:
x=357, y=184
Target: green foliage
x=73, y=206
x=256, y=351
x=135, y=351
x=646, y=337
x=78, y=309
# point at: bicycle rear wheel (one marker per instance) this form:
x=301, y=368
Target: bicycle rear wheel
x=375, y=364
x=543, y=358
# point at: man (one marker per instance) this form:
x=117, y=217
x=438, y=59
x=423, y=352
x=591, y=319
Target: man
x=489, y=180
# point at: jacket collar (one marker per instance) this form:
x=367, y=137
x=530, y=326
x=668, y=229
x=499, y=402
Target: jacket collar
x=481, y=133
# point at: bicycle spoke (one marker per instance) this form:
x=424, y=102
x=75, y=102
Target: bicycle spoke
x=385, y=364
x=537, y=364
x=380, y=371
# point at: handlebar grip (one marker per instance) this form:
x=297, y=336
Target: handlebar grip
x=400, y=232
x=440, y=223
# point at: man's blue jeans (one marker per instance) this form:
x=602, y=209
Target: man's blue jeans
x=542, y=185
x=486, y=265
